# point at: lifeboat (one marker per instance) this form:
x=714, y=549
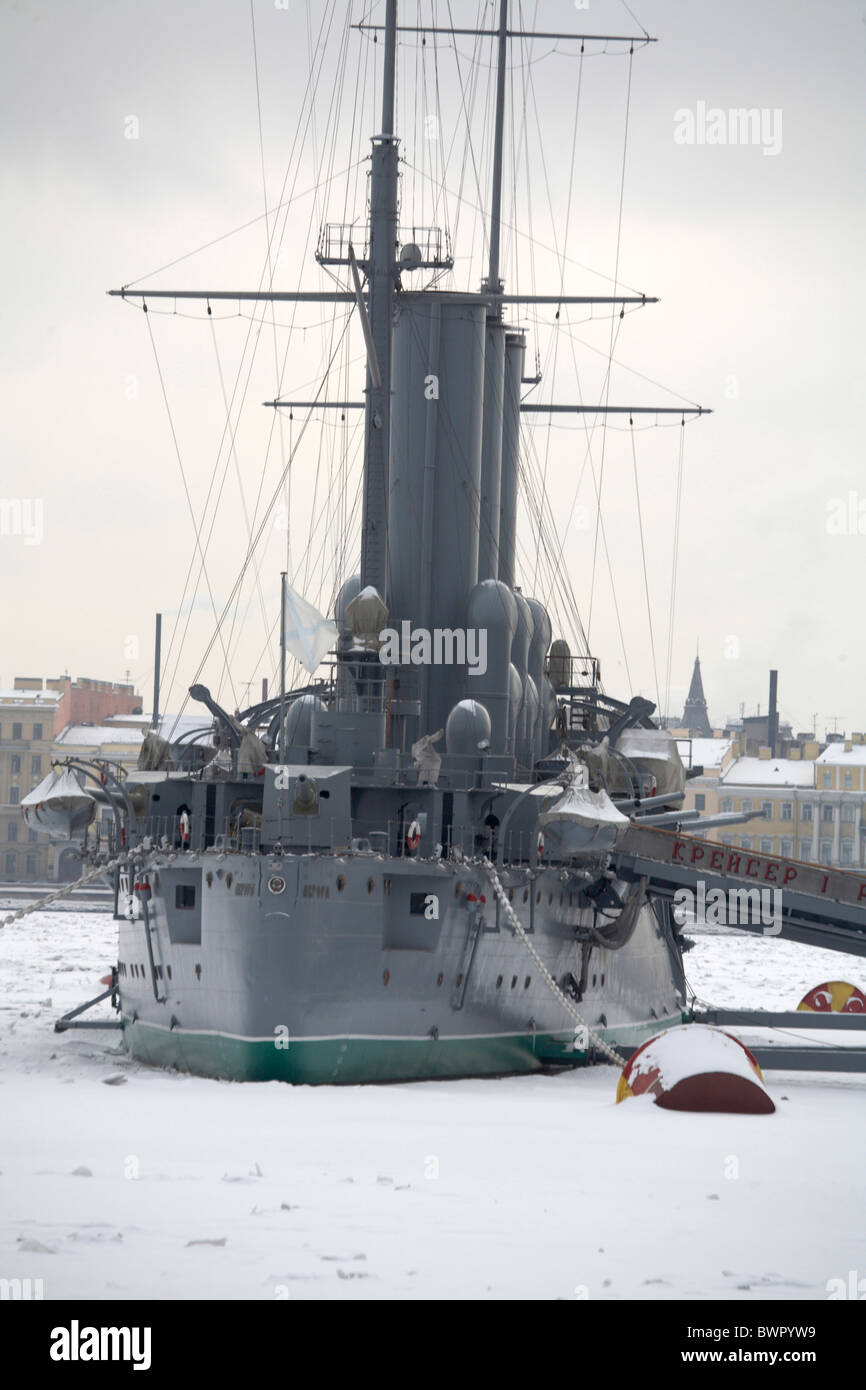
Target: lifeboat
x=59, y=804
x=582, y=821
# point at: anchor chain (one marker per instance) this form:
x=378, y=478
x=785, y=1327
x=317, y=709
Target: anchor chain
x=602, y=1045
x=64, y=891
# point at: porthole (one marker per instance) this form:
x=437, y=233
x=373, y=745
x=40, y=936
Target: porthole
x=168, y=971
x=513, y=981
x=276, y=883
x=498, y=981
x=526, y=895
x=602, y=980
x=459, y=980
x=208, y=878
x=511, y=895
x=527, y=981
x=341, y=882
x=594, y=978
x=439, y=981
x=386, y=975
x=228, y=880
x=549, y=899
x=371, y=884
x=538, y=896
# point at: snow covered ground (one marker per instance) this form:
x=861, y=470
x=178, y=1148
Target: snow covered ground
x=117, y=1181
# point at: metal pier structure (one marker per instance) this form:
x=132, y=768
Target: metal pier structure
x=816, y=906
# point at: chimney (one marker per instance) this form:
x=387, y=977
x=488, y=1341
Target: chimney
x=773, y=714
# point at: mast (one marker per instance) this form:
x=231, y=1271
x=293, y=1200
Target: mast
x=380, y=276
x=492, y=284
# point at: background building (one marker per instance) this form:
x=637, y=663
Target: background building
x=26, y=731
x=34, y=719
x=814, y=801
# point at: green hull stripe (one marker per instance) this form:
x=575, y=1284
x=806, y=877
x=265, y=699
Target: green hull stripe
x=354, y=1061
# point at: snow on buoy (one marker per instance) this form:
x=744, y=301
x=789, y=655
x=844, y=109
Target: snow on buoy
x=834, y=997
x=696, y=1067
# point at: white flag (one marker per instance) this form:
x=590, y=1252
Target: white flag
x=308, y=633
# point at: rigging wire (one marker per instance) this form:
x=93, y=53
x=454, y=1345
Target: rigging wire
x=181, y=467
x=649, y=616
x=612, y=339
x=256, y=539
x=674, y=564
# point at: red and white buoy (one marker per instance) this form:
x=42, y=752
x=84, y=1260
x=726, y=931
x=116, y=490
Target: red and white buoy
x=696, y=1067
x=833, y=997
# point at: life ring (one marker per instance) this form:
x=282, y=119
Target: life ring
x=540, y=847
x=184, y=829
x=413, y=837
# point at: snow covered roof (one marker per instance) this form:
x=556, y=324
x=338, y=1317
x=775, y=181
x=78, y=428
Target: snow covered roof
x=835, y=753
x=769, y=772
x=29, y=697
x=705, y=752
x=95, y=735
x=173, y=725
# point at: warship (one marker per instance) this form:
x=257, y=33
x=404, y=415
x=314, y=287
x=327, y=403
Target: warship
x=411, y=866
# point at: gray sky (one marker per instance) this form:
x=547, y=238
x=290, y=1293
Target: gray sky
x=755, y=257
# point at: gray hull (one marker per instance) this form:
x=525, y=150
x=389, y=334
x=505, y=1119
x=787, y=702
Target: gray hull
x=325, y=968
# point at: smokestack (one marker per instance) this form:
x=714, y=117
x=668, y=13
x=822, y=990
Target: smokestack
x=773, y=715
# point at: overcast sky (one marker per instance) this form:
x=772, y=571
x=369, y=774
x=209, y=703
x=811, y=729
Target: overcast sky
x=754, y=249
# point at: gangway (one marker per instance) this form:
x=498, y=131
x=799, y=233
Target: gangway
x=812, y=903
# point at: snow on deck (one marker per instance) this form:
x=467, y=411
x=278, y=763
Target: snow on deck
x=176, y=1187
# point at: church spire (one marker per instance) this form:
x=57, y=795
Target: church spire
x=695, y=717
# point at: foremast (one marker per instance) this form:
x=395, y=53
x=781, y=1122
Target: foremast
x=381, y=275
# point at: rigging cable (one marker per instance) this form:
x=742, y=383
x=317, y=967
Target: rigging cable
x=649, y=616
x=674, y=561
x=183, y=475
x=612, y=340
x=258, y=535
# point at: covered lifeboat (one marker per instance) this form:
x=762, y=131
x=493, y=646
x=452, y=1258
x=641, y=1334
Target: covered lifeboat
x=59, y=804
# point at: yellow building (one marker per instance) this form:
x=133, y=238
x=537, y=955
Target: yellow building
x=814, y=803
x=26, y=730
x=714, y=755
